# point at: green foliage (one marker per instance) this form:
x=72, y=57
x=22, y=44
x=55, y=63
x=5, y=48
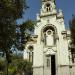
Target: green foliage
x=10, y=10
x=26, y=26
x=29, y=24
x=20, y=66
x=17, y=66
x=26, y=67
x=12, y=69
x=72, y=28
x=2, y=65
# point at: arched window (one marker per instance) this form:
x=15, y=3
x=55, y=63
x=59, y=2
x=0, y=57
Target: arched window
x=49, y=36
x=48, y=7
x=30, y=48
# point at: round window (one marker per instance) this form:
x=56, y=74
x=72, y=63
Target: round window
x=49, y=32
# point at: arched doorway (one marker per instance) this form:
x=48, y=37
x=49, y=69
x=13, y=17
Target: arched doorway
x=50, y=62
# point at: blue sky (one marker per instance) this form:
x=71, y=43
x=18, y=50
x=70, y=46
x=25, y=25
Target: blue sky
x=68, y=7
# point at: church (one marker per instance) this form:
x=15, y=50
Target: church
x=49, y=48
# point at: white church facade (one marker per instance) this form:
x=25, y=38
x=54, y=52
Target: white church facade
x=49, y=47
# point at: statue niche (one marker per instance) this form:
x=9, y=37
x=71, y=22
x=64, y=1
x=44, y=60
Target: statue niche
x=49, y=37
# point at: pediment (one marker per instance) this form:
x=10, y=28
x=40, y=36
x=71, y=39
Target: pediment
x=50, y=52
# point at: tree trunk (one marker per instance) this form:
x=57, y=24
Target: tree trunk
x=7, y=68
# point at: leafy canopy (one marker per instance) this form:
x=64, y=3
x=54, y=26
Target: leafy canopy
x=10, y=10
x=72, y=28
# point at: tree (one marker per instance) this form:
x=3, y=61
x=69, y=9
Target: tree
x=17, y=66
x=2, y=66
x=72, y=28
x=72, y=43
x=24, y=67
x=10, y=10
x=24, y=34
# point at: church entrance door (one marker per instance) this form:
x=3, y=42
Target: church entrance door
x=53, y=65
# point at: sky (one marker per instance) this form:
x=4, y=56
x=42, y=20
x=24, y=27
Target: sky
x=67, y=6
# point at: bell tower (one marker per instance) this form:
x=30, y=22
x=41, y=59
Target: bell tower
x=48, y=7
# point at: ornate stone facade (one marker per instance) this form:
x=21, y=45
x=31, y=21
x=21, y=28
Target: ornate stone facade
x=48, y=48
